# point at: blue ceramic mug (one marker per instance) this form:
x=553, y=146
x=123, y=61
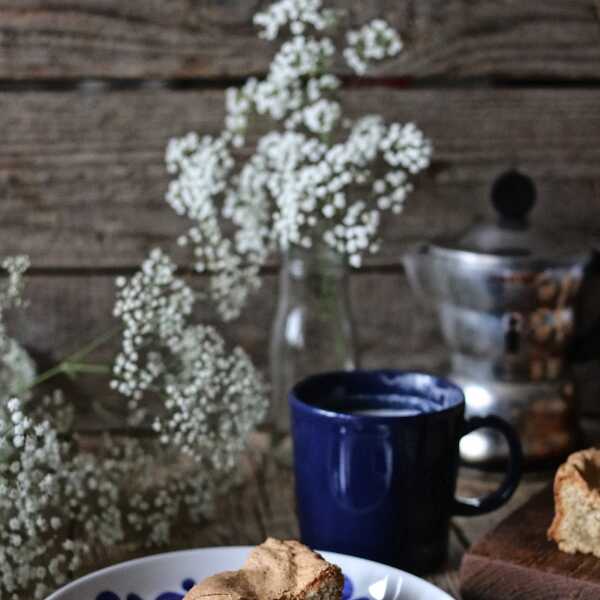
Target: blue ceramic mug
x=376, y=460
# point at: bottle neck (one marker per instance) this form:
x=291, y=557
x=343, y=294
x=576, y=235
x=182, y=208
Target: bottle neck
x=321, y=261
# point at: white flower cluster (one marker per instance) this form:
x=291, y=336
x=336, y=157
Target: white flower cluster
x=11, y=291
x=213, y=401
x=373, y=42
x=55, y=408
x=34, y=556
x=318, y=179
x=139, y=491
x=154, y=306
x=204, y=166
x=213, y=397
x=61, y=507
x=296, y=90
x=297, y=14
x=17, y=369
x=15, y=266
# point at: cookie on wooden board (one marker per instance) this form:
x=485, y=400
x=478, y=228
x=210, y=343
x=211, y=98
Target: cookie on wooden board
x=576, y=524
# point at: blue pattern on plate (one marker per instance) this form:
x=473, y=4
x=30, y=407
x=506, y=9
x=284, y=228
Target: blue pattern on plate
x=113, y=596
x=188, y=583
x=349, y=590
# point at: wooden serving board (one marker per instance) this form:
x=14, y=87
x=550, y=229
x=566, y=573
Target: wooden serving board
x=516, y=561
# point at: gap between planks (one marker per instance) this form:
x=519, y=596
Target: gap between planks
x=97, y=85
x=393, y=268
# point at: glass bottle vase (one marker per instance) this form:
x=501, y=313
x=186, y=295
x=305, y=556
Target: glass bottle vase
x=313, y=330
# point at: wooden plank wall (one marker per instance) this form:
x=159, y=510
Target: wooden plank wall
x=90, y=91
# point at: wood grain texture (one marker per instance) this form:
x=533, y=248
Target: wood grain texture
x=476, y=483
x=516, y=561
x=82, y=178
x=82, y=184
x=183, y=39
x=262, y=505
x=64, y=313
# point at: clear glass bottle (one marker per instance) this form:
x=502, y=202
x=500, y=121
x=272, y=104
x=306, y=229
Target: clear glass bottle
x=313, y=330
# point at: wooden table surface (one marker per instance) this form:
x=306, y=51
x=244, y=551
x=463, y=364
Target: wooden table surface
x=263, y=505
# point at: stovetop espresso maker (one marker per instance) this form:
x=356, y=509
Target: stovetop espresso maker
x=505, y=294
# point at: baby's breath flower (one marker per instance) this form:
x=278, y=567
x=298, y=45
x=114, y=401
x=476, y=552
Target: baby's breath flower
x=63, y=507
x=60, y=504
x=55, y=408
x=297, y=14
x=322, y=116
x=17, y=369
x=375, y=41
x=316, y=179
x=15, y=266
x=11, y=290
x=32, y=504
x=215, y=399
x=153, y=306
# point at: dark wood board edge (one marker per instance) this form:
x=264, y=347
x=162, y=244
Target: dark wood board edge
x=483, y=578
x=515, y=560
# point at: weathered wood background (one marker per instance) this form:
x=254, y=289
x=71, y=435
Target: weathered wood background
x=90, y=91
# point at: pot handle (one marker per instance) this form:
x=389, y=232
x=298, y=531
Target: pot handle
x=585, y=346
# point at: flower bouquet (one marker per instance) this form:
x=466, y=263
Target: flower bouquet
x=316, y=179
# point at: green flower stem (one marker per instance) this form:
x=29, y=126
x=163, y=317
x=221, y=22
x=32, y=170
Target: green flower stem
x=328, y=299
x=71, y=365
x=93, y=345
x=73, y=368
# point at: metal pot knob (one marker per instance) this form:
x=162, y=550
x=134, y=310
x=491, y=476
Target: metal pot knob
x=513, y=197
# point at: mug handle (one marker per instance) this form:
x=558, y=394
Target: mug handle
x=470, y=507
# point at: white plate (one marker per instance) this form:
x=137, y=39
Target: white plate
x=169, y=576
